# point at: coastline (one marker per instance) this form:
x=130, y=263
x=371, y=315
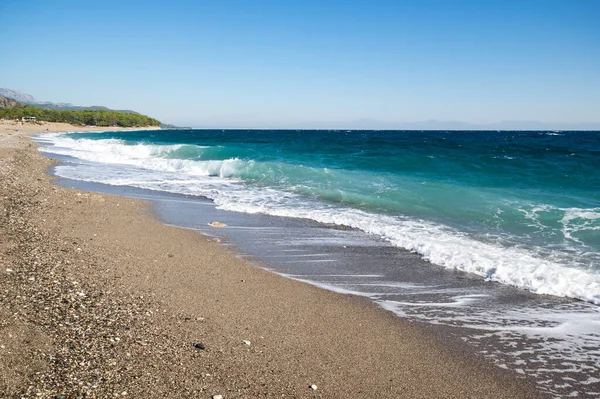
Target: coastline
x=159, y=289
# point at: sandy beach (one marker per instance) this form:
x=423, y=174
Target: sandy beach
x=99, y=299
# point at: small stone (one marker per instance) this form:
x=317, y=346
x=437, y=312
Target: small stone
x=313, y=387
x=217, y=397
x=246, y=342
x=217, y=224
x=199, y=345
x=9, y=270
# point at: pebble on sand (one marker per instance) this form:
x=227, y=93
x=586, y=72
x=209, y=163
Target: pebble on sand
x=313, y=387
x=246, y=342
x=217, y=397
x=199, y=345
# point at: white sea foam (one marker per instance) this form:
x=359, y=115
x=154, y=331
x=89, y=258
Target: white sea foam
x=329, y=287
x=150, y=167
x=443, y=246
x=550, y=344
x=572, y=220
x=579, y=220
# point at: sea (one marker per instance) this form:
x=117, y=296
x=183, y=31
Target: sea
x=493, y=233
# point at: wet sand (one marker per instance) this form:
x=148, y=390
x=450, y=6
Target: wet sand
x=99, y=299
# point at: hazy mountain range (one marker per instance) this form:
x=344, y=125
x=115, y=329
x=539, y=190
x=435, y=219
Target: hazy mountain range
x=458, y=125
x=8, y=102
x=28, y=99
x=366, y=124
x=373, y=124
x=11, y=98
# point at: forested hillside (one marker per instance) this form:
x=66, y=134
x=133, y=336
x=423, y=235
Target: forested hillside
x=76, y=117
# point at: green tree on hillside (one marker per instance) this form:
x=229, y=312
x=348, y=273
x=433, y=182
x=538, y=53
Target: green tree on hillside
x=86, y=117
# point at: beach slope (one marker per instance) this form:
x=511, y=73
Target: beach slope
x=99, y=299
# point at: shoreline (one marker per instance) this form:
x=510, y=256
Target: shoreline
x=492, y=318
x=159, y=289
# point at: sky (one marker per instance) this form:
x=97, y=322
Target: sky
x=288, y=63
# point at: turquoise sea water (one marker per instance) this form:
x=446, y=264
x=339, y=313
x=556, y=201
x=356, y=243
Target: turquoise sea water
x=521, y=208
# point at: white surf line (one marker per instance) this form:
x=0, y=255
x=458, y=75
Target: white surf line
x=329, y=287
x=390, y=285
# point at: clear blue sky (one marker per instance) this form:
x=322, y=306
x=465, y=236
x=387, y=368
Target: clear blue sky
x=287, y=62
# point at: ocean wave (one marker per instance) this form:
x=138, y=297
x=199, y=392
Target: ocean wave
x=539, y=270
x=577, y=226
x=452, y=249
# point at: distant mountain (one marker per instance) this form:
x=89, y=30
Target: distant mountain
x=373, y=124
x=30, y=100
x=173, y=127
x=17, y=95
x=536, y=125
x=9, y=103
x=421, y=125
